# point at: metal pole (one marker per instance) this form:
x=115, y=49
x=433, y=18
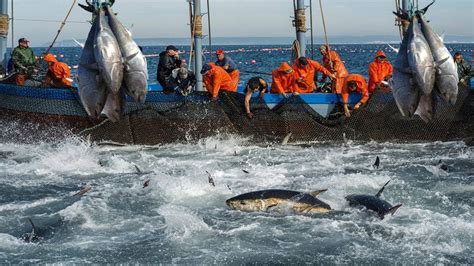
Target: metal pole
x=405, y=8
x=300, y=35
x=198, y=47
x=209, y=28
x=311, y=22
x=12, y=19
x=4, y=39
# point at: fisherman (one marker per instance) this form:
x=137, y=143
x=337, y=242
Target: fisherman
x=305, y=69
x=354, y=83
x=59, y=74
x=24, y=61
x=255, y=84
x=380, y=70
x=169, y=60
x=183, y=80
x=464, y=69
x=333, y=62
x=228, y=65
x=284, y=80
x=215, y=79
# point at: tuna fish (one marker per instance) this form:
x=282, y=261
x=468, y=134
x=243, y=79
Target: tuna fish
x=108, y=55
x=446, y=72
x=420, y=58
x=92, y=90
x=404, y=89
x=374, y=203
x=279, y=200
x=135, y=64
x=113, y=108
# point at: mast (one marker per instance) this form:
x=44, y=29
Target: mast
x=198, y=44
x=300, y=25
x=405, y=8
x=3, y=33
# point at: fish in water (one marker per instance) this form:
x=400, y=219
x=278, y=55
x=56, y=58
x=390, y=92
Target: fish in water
x=135, y=65
x=277, y=199
x=210, y=179
x=374, y=203
x=92, y=89
x=404, y=88
x=446, y=71
x=108, y=55
x=377, y=163
x=420, y=58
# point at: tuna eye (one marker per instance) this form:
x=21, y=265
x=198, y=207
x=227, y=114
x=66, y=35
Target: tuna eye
x=243, y=203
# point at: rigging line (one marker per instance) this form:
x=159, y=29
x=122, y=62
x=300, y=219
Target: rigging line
x=191, y=24
x=209, y=26
x=13, y=28
x=326, y=35
x=62, y=26
x=48, y=20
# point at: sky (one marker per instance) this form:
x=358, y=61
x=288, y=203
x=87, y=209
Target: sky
x=236, y=18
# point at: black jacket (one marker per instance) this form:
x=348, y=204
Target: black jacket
x=165, y=67
x=464, y=72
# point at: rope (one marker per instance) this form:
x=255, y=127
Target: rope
x=4, y=25
x=300, y=20
x=191, y=19
x=295, y=51
x=326, y=34
x=61, y=27
x=311, y=23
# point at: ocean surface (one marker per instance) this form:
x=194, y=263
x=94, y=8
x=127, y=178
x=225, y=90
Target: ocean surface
x=181, y=218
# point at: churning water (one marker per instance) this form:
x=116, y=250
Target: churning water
x=181, y=218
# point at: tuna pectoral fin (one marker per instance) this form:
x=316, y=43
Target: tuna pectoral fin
x=128, y=58
x=82, y=192
x=394, y=209
x=317, y=192
x=310, y=208
x=440, y=62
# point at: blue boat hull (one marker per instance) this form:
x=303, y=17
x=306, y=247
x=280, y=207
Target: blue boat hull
x=169, y=118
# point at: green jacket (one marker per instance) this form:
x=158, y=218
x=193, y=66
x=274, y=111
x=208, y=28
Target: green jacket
x=464, y=72
x=23, y=58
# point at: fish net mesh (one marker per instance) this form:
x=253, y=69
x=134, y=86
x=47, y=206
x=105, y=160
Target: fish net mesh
x=189, y=119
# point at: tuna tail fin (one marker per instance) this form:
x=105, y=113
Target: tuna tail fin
x=317, y=192
x=377, y=163
x=423, y=10
x=394, y=209
x=381, y=190
x=34, y=232
x=88, y=8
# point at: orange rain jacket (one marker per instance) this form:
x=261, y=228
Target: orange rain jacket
x=307, y=74
x=378, y=70
x=58, y=72
x=218, y=79
x=283, y=82
x=234, y=75
x=361, y=88
x=338, y=66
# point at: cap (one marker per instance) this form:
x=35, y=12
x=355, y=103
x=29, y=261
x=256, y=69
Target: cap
x=23, y=40
x=171, y=47
x=219, y=52
x=205, y=68
x=303, y=61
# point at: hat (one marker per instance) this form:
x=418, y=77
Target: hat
x=205, y=68
x=219, y=52
x=23, y=40
x=171, y=47
x=380, y=53
x=303, y=61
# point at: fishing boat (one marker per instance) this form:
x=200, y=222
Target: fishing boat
x=166, y=118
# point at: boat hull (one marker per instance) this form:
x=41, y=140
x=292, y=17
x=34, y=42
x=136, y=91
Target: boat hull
x=56, y=113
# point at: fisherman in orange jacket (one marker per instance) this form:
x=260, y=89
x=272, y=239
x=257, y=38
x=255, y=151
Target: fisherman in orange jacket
x=228, y=65
x=58, y=74
x=305, y=69
x=379, y=70
x=354, y=83
x=215, y=79
x=284, y=80
x=333, y=62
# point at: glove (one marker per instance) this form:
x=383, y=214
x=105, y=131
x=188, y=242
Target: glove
x=250, y=115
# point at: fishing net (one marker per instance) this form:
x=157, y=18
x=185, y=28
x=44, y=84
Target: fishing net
x=174, y=118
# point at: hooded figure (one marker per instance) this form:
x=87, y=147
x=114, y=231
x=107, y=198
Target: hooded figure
x=59, y=74
x=333, y=62
x=284, y=80
x=305, y=70
x=354, y=83
x=379, y=70
x=215, y=79
x=183, y=80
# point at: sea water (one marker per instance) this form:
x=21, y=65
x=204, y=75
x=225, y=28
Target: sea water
x=181, y=218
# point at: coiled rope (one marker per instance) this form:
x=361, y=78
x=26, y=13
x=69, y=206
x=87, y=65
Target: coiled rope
x=4, y=25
